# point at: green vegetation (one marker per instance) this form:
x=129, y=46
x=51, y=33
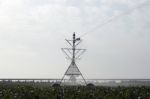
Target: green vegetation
x=16, y=91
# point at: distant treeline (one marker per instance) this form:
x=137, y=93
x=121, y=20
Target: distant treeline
x=16, y=91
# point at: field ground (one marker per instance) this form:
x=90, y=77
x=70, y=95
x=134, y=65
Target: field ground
x=24, y=91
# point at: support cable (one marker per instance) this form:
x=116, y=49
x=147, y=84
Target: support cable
x=113, y=18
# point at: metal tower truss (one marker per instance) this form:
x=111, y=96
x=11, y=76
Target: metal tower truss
x=73, y=76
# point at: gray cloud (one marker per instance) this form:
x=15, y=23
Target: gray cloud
x=32, y=33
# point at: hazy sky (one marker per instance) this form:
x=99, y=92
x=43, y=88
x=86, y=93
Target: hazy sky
x=32, y=33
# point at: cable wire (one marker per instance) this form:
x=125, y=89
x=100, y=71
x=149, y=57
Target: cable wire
x=113, y=18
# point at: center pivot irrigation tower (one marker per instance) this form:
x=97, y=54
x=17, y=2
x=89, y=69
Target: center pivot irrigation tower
x=73, y=76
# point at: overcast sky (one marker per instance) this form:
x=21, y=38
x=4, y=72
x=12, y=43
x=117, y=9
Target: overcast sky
x=32, y=33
